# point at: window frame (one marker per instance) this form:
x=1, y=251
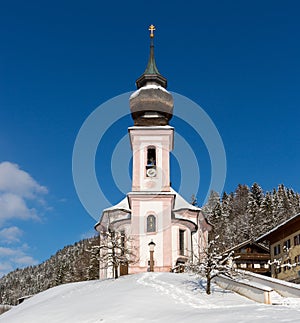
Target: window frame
x=181, y=242
x=277, y=249
x=149, y=225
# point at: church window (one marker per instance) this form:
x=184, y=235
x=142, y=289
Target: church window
x=151, y=156
x=151, y=223
x=151, y=162
x=181, y=242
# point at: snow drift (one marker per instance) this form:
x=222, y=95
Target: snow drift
x=148, y=297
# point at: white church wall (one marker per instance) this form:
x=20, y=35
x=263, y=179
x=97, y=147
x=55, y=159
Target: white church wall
x=147, y=208
x=175, y=244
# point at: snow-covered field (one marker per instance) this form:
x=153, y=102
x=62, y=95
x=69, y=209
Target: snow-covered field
x=148, y=297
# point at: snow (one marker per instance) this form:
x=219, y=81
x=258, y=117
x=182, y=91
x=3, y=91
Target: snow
x=123, y=205
x=147, y=297
x=182, y=204
x=146, y=87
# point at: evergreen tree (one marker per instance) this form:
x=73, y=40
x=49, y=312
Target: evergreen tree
x=255, y=200
x=213, y=199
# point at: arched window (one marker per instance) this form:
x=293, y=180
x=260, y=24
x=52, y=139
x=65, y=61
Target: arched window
x=151, y=223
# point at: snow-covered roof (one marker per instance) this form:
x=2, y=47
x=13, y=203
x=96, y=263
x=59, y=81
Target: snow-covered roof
x=249, y=241
x=121, y=206
x=261, y=238
x=151, y=127
x=147, y=87
x=182, y=204
x=179, y=202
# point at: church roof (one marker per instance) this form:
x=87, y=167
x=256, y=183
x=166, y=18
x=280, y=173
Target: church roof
x=151, y=73
x=121, y=206
x=151, y=104
x=179, y=203
x=122, y=210
x=182, y=204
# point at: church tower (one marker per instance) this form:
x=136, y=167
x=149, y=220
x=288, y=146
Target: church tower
x=152, y=140
x=153, y=212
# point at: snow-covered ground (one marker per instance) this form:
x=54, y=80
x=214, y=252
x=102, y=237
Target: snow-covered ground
x=148, y=297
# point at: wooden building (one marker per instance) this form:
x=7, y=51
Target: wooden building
x=285, y=249
x=251, y=256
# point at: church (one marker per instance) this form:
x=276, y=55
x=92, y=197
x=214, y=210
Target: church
x=164, y=229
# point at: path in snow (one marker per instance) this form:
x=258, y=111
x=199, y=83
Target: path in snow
x=179, y=294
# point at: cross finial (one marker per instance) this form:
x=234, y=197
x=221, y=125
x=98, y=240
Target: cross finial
x=151, y=29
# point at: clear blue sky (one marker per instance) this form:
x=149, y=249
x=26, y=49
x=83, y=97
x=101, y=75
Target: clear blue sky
x=59, y=60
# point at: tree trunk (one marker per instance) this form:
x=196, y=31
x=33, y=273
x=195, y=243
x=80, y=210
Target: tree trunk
x=208, y=284
x=116, y=271
x=115, y=267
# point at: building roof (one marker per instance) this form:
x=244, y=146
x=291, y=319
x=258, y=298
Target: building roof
x=179, y=203
x=267, y=235
x=151, y=104
x=182, y=204
x=121, y=206
x=151, y=73
x=245, y=243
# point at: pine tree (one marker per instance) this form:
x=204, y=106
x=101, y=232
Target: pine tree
x=213, y=199
x=266, y=212
x=255, y=199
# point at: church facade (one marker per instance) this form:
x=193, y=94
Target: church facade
x=153, y=213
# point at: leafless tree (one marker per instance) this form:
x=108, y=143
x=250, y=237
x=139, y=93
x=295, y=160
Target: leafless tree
x=116, y=249
x=211, y=262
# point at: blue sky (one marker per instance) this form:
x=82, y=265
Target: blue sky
x=60, y=60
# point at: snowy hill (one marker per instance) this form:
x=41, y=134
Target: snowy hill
x=148, y=297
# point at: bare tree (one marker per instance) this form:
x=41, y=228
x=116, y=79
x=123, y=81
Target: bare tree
x=116, y=250
x=211, y=262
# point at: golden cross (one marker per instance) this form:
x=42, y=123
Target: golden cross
x=151, y=29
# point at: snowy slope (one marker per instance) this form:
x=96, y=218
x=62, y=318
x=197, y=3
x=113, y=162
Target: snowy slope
x=148, y=297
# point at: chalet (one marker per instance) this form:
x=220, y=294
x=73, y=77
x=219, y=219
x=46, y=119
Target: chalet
x=285, y=249
x=251, y=256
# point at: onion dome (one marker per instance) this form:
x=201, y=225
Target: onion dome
x=151, y=104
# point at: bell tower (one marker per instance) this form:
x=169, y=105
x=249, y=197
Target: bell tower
x=151, y=138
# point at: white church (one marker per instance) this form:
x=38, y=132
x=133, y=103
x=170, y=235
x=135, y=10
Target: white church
x=153, y=213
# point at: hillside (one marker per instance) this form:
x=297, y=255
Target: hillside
x=73, y=263
x=148, y=297
x=248, y=212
